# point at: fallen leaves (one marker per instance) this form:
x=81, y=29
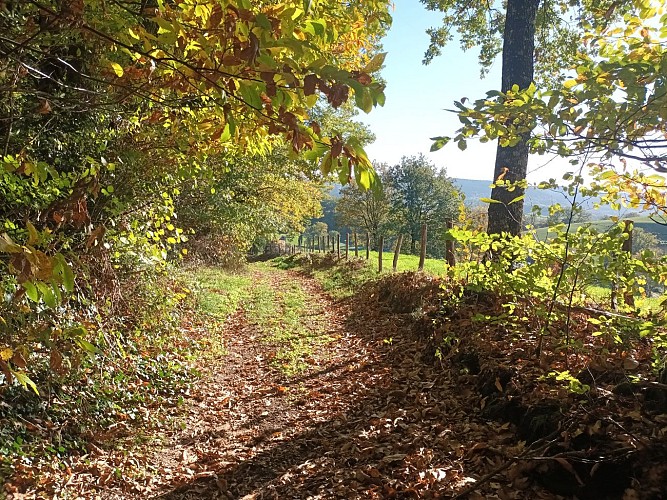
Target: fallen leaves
x=366, y=419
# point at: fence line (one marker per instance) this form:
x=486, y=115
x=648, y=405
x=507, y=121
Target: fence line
x=330, y=244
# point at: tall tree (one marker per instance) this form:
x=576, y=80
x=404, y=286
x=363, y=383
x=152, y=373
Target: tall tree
x=512, y=161
x=518, y=23
x=366, y=210
x=609, y=117
x=420, y=194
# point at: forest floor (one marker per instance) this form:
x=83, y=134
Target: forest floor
x=312, y=396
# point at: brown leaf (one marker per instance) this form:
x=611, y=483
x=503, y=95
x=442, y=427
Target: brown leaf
x=96, y=236
x=44, y=107
x=56, y=361
x=568, y=467
x=19, y=360
x=231, y=60
x=4, y=368
x=216, y=16
x=336, y=148
x=310, y=84
x=338, y=94
x=363, y=78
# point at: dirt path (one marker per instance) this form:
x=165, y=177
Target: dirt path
x=367, y=419
x=251, y=429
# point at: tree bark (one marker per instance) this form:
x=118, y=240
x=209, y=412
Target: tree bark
x=518, y=69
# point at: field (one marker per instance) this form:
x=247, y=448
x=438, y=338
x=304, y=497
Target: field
x=645, y=223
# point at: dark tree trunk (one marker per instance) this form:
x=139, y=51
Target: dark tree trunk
x=413, y=244
x=518, y=68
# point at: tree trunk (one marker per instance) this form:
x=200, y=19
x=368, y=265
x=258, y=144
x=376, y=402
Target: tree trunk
x=413, y=244
x=518, y=68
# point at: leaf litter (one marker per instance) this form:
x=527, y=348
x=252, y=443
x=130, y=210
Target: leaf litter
x=379, y=412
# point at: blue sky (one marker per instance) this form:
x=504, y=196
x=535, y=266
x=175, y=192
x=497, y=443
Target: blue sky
x=418, y=96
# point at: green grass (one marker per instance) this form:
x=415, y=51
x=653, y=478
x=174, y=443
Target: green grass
x=284, y=316
x=407, y=263
x=644, y=223
x=218, y=292
x=287, y=318
x=342, y=279
x=646, y=305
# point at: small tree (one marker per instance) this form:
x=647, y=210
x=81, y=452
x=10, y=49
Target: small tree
x=365, y=210
x=318, y=229
x=420, y=194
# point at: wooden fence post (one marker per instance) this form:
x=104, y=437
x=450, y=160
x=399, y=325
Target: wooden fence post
x=449, y=247
x=368, y=246
x=627, y=247
x=356, y=247
x=380, y=254
x=338, y=246
x=422, y=250
x=347, y=246
x=397, y=250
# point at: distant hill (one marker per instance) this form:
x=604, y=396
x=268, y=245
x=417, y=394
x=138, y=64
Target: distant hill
x=476, y=189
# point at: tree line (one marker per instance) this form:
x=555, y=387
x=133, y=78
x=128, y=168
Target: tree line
x=414, y=192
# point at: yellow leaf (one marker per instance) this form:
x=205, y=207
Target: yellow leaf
x=6, y=354
x=118, y=69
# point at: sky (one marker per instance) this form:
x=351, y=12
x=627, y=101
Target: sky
x=418, y=96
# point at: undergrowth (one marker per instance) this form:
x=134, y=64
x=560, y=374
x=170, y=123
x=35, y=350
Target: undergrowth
x=131, y=383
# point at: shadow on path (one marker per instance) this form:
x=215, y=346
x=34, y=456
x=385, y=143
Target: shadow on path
x=375, y=422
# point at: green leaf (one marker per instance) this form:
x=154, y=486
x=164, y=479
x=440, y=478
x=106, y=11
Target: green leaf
x=263, y=21
x=226, y=134
x=363, y=100
x=87, y=346
x=7, y=245
x=25, y=381
x=163, y=24
x=344, y=170
x=375, y=63
x=250, y=95
x=364, y=179
x=33, y=235
x=47, y=294
x=325, y=165
x=489, y=200
x=439, y=142
x=68, y=277
x=31, y=291
x=517, y=199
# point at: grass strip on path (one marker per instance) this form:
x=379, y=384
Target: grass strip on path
x=287, y=317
